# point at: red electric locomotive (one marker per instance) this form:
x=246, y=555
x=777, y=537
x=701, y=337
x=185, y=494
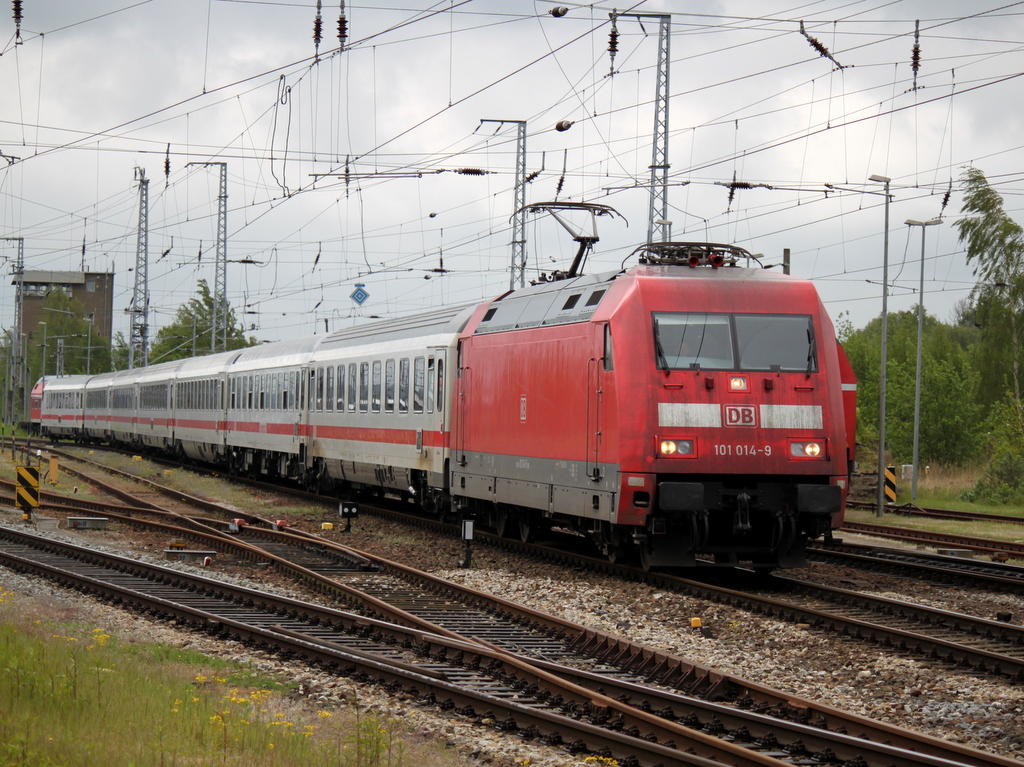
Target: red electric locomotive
x=689, y=410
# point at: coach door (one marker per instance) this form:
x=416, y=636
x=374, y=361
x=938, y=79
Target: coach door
x=460, y=407
x=596, y=365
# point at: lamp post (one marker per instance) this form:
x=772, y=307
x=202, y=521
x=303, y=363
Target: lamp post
x=43, y=377
x=885, y=339
x=920, y=335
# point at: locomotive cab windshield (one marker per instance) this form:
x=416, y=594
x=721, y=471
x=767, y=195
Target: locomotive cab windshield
x=735, y=342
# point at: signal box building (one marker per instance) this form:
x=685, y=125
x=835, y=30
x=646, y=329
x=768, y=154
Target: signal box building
x=94, y=290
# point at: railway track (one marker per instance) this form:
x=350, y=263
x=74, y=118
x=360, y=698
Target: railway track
x=911, y=509
x=985, y=646
x=988, y=546
x=962, y=571
x=564, y=699
x=908, y=636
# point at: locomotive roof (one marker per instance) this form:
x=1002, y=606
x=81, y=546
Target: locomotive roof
x=547, y=303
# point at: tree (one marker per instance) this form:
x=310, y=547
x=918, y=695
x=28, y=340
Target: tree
x=189, y=334
x=995, y=245
x=952, y=420
x=68, y=342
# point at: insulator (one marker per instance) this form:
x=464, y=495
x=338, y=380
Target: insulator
x=318, y=28
x=471, y=171
x=17, y=21
x=915, y=53
x=558, y=11
x=558, y=189
x=563, y=125
x=613, y=46
x=167, y=162
x=342, y=26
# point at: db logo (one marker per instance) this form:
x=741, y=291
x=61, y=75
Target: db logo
x=740, y=415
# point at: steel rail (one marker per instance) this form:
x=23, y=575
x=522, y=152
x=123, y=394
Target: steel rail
x=914, y=535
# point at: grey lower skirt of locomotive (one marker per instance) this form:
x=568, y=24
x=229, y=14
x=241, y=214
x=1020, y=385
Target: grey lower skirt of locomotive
x=759, y=524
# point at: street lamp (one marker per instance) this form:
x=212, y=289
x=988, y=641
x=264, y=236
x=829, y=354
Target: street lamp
x=920, y=335
x=885, y=339
x=44, y=353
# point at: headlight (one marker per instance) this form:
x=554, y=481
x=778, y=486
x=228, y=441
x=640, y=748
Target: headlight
x=738, y=383
x=679, y=448
x=807, y=449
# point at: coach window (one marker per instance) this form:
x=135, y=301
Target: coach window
x=284, y=393
x=352, y=379
x=389, y=386
x=319, y=389
x=364, y=386
x=247, y=398
x=340, y=401
x=418, y=379
x=430, y=384
x=440, y=384
x=403, y=386
x=263, y=391
x=329, y=390
x=375, y=394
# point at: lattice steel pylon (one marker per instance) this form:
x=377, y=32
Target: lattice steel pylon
x=16, y=372
x=658, y=225
x=518, y=270
x=219, y=318
x=138, y=340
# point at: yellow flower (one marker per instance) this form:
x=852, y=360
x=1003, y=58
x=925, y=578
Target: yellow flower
x=323, y=714
x=200, y=678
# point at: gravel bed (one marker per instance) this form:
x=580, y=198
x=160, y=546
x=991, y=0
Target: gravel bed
x=945, y=702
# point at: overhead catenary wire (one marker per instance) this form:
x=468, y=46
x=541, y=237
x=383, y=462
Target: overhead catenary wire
x=578, y=173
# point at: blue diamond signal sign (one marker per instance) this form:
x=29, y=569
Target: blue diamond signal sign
x=359, y=295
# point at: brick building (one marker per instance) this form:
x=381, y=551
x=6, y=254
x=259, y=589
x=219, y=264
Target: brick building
x=94, y=290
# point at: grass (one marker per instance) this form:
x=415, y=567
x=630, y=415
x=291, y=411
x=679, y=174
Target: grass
x=71, y=693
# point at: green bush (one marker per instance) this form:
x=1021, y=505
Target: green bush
x=1003, y=479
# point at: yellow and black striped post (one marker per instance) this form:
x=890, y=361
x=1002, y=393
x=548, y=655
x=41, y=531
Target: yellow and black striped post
x=28, y=490
x=890, y=484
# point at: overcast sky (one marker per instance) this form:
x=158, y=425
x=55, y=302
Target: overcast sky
x=343, y=165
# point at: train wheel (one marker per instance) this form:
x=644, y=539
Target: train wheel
x=501, y=522
x=646, y=558
x=525, y=528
